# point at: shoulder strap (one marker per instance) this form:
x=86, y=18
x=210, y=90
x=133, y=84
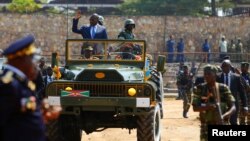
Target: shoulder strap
x=217, y=91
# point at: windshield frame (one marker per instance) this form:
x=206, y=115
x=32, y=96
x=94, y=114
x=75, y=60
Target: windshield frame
x=69, y=61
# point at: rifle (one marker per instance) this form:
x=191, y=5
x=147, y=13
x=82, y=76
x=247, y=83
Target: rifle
x=218, y=109
x=217, y=105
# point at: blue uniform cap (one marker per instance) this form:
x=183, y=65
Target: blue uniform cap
x=21, y=47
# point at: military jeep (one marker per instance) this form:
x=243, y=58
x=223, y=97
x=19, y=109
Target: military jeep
x=107, y=84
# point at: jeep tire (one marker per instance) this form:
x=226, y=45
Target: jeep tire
x=148, y=125
x=64, y=129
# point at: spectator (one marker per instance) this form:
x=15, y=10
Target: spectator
x=231, y=50
x=48, y=78
x=180, y=49
x=206, y=50
x=239, y=49
x=223, y=48
x=42, y=66
x=170, y=49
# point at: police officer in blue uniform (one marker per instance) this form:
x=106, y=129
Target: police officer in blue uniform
x=20, y=111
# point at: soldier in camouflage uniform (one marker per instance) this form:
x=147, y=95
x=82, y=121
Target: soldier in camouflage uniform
x=184, y=83
x=246, y=80
x=127, y=33
x=213, y=100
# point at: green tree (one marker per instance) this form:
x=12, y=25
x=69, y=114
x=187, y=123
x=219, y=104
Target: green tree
x=23, y=6
x=163, y=7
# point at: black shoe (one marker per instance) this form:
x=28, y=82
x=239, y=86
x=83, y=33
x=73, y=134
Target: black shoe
x=178, y=98
x=185, y=114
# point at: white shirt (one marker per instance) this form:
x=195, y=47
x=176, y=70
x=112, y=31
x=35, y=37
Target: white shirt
x=93, y=31
x=223, y=46
x=49, y=79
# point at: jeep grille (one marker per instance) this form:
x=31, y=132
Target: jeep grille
x=99, y=89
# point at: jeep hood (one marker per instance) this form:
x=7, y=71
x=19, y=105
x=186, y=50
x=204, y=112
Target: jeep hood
x=113, y=72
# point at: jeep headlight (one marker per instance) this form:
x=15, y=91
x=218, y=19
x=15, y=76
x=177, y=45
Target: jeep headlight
x=131, y=91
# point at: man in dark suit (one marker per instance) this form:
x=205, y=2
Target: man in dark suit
x=93, y=31
x=48, y=78
x=234, y=82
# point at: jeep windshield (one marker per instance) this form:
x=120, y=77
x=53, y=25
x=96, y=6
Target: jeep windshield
x=86, y=51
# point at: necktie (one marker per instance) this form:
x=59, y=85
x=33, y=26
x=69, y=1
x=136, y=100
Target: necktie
x=50, y=79
x=93, y=32
x=226, y=79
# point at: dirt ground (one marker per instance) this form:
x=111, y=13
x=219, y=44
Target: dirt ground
x=173, y=126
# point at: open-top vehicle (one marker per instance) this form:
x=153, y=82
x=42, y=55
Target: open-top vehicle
x=107, y=84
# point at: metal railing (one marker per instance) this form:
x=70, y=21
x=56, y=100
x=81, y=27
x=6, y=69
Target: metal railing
x=212, y=57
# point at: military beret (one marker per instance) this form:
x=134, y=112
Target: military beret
x=89, y=48
x=210, y=68
x=244, y=64
x=185, y=66
x=20, y=47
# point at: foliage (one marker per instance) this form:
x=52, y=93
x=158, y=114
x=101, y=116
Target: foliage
x=171, y=7
x=162, y=7
x=244, y=1
x=23, y=6
x=225, y=4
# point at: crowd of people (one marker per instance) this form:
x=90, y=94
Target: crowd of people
x=24, y=107
x=221, y=95
x=22, y=84
x=232, y=49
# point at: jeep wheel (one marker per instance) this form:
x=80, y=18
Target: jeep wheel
x=52, y=131
x=148, y=125
x=64, y=129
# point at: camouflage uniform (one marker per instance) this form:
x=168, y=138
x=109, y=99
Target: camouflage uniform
x=210, y=117
x=127, y=33
x=184, y=83
x=246, y=80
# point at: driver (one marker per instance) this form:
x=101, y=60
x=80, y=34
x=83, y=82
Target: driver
x=88, y=54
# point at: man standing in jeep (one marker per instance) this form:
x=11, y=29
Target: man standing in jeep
x=127, y=33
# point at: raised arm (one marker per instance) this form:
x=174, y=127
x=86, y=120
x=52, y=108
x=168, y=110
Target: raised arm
x=75, y=22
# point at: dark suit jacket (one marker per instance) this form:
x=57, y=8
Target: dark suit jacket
x=85, y=31
x=236, y=87
x=40, y=86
